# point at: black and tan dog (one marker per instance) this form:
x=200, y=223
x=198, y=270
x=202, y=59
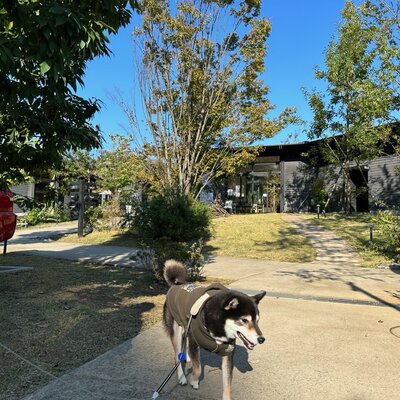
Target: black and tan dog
x=219, y=317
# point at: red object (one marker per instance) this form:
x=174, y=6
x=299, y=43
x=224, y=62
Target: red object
x=8, y=220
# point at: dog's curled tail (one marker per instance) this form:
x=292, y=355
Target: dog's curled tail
x=174, y=272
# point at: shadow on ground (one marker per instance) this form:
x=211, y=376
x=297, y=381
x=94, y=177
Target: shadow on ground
x=342, y=274
x=63, y=314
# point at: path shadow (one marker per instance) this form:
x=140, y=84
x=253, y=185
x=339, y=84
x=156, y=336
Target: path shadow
x=240, y=360
x=341, y=274
x=356, y=288
x=395, y=268
x=214, y=361
x=28, y=236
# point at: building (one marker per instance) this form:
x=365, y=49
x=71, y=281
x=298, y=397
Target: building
x=283, y=178
x=45, y=190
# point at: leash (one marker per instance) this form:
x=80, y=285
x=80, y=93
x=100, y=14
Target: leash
x=181, y=359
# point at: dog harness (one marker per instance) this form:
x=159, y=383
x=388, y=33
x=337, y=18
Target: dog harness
x=188, y=299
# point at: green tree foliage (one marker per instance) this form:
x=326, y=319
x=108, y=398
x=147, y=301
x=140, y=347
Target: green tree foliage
x=199, y=65
x=44, y=48
x=388, y=224
x=118, y=167
x=79, y=164
x=361, y=94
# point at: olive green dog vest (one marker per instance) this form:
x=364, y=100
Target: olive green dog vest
x=184, y=300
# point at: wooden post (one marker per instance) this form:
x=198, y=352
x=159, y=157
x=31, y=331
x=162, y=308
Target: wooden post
x=81, y=207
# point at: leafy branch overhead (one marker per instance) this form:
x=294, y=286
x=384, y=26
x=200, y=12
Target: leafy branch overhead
x=199, y=69
x=44, y=48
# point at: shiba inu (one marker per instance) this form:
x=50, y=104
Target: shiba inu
x=218, y=317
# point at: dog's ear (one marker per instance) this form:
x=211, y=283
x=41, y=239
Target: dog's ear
x=232, y=304
x=259, y=296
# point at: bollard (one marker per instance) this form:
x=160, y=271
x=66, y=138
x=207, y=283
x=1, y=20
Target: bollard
x=371, y=233
x=318, y=210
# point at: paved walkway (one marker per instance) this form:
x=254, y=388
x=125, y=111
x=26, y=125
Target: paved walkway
x=331, y=249
x=41, y=242
x=333, y=332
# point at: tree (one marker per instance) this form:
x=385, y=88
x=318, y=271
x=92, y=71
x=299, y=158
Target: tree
x=118, y=167
x=76, y=165
x=360, y=97
x=198, y=70
x=44, y=48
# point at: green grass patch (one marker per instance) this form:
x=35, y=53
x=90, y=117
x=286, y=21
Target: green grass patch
x=355, y=230
x=62, y=314
x=262, y=236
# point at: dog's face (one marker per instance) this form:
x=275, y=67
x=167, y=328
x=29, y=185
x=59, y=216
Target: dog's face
x=236, y=319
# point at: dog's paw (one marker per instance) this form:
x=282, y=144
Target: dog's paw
x=195, y=384
x=183, y=380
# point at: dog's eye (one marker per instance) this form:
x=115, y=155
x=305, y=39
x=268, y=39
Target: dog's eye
x=244, y=320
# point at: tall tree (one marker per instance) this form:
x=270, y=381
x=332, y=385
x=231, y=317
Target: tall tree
x=44, y=48
x=79, y=164
x=198, y=67
x=360, y=97
x=119, y=166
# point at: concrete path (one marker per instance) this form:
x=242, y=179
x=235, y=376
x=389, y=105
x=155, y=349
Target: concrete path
x=314, y=350
x=41, y=242
x=333, y=332
x=330, y=249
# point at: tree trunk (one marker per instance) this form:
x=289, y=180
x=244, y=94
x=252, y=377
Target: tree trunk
x=346, y=189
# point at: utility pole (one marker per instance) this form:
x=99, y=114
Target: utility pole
x=81, y=200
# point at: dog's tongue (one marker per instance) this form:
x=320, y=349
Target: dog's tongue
x=246, y=342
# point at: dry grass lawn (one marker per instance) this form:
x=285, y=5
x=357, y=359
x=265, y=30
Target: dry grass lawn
x=105, y=237
x=63, y=314
x=263, y=236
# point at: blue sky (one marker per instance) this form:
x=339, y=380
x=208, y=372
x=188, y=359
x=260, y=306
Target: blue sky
x=301, y=30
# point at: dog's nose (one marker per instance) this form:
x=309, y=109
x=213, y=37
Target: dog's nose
x=261, y=339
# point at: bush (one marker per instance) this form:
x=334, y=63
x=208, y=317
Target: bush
x=388, y=224
x=189, y=254
x=92, y=216
x=54, y=212
x=110, y=214
x=175, y=217
x=318, y=194
x=25, y=203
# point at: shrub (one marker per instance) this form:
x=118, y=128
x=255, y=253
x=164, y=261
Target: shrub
x=195, y=261
x=177, y=217
x=388, y=224
x=92, y=216
x=111, y=214
x=54, y=212
x=24, y=202
x=318, y=194
x=189, y=254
